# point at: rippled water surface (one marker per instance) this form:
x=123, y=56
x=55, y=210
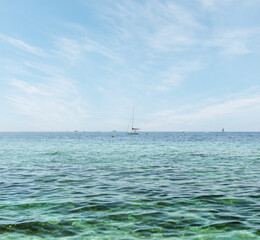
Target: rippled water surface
x=151, y=186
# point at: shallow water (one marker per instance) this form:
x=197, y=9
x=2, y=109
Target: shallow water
x=150, y=186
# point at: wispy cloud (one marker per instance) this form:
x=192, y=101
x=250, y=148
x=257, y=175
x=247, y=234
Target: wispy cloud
x=174, y=27
x=235, y=41
x=24, y=86
x=68, y=48
x=43, y=69
x=21, y=45
x=56, y=103
x=78, y=47
x=170, y=80
x=41, y=90
x=193, y=114
x=232, y=106
x=160, y=26
x=215, y=4
x=176, y=74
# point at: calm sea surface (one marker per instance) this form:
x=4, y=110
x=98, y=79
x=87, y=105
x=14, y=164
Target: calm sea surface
x=151, y=186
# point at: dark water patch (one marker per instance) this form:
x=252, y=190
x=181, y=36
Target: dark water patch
x=182, y=224
x=56, y=153
x=95, y=197
x=126, y=189
x=175, y=178
x=27, y=206
x=204, y=155
x=146, y=216
x=144, y=200
x=124, y=217
x=47, y=179
x=92, y=206
x=257, y=196
x=208, y=198
x=164, y=203
x=171, y=224
x=70, y=180
x=146, y=232
x=229, y=217
x=228, y=225
x=142, y=191
x=235, y=201
x=51, y=228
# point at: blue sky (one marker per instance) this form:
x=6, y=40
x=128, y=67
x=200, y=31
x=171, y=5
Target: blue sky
x=82, y=65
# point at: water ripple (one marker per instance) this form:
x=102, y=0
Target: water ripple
x=155, y=186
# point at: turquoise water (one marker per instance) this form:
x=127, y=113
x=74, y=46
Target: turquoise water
x=150, y=186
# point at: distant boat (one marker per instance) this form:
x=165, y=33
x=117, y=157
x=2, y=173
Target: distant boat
x=223, y=130
x=133, y=130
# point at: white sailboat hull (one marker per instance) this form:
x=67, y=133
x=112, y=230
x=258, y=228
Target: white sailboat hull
x=134, y=132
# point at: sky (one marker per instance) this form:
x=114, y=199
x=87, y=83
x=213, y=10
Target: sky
x=82, y=65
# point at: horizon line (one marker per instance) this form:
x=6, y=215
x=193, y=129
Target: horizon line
x=97, y=131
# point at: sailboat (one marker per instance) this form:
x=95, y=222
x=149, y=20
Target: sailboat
x=133, y=130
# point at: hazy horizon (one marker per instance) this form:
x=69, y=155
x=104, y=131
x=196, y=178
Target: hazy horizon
x=115, y=131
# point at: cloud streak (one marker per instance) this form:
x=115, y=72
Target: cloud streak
x=17, y=43
x=161, y=26
x=77, y=48
x=234, y=42
x=213, y=112
x=56, y=104
x=176, y=74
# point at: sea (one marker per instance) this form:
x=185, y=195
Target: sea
x=156, y=185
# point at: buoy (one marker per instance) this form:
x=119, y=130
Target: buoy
x=113, y=136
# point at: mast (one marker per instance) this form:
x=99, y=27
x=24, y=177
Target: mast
x=133, y=129
x=133, y=117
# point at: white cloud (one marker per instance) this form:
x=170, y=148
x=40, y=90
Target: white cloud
x=233, y=42
x=24, y=86
x=55, y=103
x=211, y=113
x=101, y=89
x=208, y=3
x=45, y=69
x=78, y=47
x=222, y=4
x=41, y=92
x=21, y=45
x=173, y=27
x=176, y=74
x=215, y=4
x=169, y=80
x=229, y=107
x=161, y=26
x=68, y=48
